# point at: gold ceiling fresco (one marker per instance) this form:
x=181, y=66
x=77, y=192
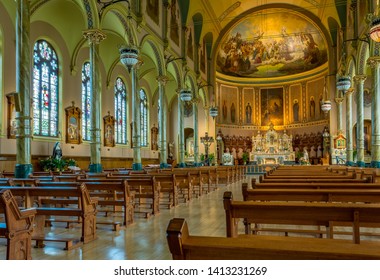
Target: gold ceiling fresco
x=271, y=43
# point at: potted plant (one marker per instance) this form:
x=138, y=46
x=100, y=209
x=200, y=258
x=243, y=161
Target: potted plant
x=245, y=158
x=211, y=158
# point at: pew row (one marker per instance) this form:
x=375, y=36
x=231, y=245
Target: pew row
x=184, y=246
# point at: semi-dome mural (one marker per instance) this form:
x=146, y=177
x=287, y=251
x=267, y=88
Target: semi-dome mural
x=271, y=43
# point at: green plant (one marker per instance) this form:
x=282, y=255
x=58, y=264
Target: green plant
x=211, y=158
x=55, y=164
x=202, y=157
x=245, y=157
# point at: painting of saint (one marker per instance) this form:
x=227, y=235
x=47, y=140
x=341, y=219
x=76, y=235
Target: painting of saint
x=152, y=9
x=248, y=113
x=233, y=112
x=174, y=35
x=224, y=111
x=312, y=107
x=272, y=106
x=295, y=110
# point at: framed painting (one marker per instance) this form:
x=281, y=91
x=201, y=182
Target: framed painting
x=272, y=106
x=109, y=130
x=73, y=124
x=11, y=117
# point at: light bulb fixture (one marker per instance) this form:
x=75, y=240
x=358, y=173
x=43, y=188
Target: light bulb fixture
x=129, y=56
x=214, y=111
x=185, y=95
x=343, y=83
x=325, y=104
x=374, y=31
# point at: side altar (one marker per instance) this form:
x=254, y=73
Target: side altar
x=272, y=148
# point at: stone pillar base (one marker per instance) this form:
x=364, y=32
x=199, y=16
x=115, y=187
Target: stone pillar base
x=23, y=170
x=350, y=163
x=95, y=168
x=360, y=164
x=137, y=166
x=375, y=164
x=164, y=165
x=196, y=164
x=182, y=164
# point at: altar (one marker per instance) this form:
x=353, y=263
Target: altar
x=272, y=148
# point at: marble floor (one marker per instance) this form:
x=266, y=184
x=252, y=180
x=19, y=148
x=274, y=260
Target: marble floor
x=146, y=238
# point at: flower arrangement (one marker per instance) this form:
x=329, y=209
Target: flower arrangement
x=304, y=161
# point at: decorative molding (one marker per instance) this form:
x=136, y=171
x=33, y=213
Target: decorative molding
x=229, y=10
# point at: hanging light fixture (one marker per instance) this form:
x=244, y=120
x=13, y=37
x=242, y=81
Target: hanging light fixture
x=343, y=83
x=129, y=53
x=185, y=95
x=214, y=111
x=374, y=31
x=326, y=104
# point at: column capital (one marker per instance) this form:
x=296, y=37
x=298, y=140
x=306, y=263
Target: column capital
x=162, y=80
x=339, y=100
x=94, y=35
x=373, y=61
x=360, y=78
x=350, y=91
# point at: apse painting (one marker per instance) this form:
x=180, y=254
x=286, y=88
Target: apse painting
x=271, y=43
x=272, y=106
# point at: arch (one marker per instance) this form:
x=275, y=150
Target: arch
x=198, y=24
x=149, y=45
x=362, y=57
x=351, y=67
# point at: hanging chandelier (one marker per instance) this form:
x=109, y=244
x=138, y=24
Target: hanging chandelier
x=325, y=104
x=185, y=95
x=213, y=111
x=129, y=56
x=343, y=83
x=374, y=31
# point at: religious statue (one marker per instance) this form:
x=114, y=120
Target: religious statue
x=57, y=151
x=171, y=149
x=248, y=113
x=227, y=158
x=305, y=154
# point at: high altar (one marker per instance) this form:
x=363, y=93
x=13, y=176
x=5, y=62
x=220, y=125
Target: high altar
x=272, y=148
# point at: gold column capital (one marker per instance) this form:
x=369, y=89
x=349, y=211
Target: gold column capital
x=94, y=35
x=350, y=91
x=373, y=61
x=360, y=78
x=162, y=80
x=339, y=100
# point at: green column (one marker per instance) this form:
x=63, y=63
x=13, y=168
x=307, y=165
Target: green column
x=23, y=81
x=94, y=37
x=350, y=156
x=136, y=119
x=196, y=131
x=359, y=81
x=374, y=62
x=339, y=101
x=162, y=80
x=181, y=131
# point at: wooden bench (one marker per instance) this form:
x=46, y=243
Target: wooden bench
x=295, y=179
x=85, y=210
x=17, y=228
x=116, y=195
x=325, y=214
x=184, y=246
x=314, y=185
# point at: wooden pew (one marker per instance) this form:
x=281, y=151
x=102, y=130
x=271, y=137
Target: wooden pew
x=309, y=179
x=314, y=185
x=184, y=246
x=116, y=195
x=17, y=228
x=85, y=209
x=297, y=213
x=303, y=195
x=168, y=185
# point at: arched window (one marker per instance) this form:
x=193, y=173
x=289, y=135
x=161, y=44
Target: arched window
x=144, y=118
x=120, y=112
x=86, y=101
x=45, y=90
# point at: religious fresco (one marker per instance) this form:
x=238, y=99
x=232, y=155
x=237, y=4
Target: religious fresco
x=152, y=8
x=271, y=43
x=272, y=106
x=174, y=19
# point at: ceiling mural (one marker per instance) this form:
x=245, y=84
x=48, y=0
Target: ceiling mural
x=271, y=43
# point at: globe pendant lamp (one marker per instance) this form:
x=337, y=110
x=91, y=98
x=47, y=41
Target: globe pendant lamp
x=185, y=95
x=326, y=106
x=214, y=112
x=343, y=83
x=129, y=56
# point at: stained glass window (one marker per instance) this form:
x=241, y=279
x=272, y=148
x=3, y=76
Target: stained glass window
x=86, y=101
x=120, y=112
x=45, y=90
x=144, y=118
